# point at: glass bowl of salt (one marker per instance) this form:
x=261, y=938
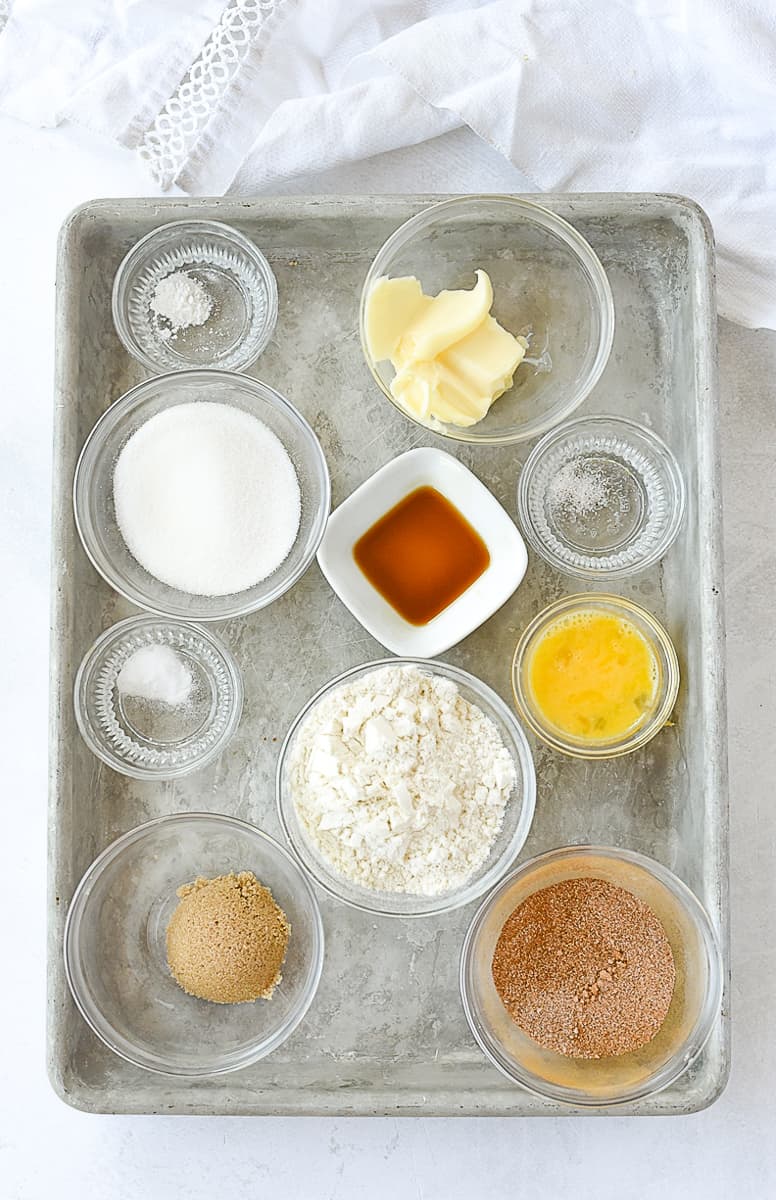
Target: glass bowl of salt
x=201, y=495
x=157, y=699
x=195, y=294
x=601, y=498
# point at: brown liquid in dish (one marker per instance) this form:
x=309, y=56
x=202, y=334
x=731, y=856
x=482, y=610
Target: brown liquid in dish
x=421, y=555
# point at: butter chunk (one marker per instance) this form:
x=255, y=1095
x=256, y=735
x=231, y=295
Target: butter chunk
x=449, y=317
x=451, y=357
x=393, y=305
x=486, y=359
x=415, y=389
x=431, y=389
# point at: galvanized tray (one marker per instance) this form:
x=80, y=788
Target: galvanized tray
x=386, y=1033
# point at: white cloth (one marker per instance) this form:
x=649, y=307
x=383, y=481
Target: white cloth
x=580, y=95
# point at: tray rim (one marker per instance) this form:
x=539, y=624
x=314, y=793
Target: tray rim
x=382, y=1101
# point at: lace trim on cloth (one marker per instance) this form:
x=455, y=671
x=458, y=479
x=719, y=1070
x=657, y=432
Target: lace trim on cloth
x=166, y=145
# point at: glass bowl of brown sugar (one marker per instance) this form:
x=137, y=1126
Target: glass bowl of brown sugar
x=624, y=983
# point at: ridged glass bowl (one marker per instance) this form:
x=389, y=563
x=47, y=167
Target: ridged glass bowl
x=601, y=498
x=115, y=947
x=149, y=739
x=95, y=515
x=518, y=814
x=666, y=685
x=548, y=286
x=236, y=276
x=602, y=1082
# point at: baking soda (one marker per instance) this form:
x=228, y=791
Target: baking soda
x=155, y=672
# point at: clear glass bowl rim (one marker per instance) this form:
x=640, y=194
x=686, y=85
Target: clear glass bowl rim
x=525, y=766
x=77, y=908
x=668, y=460
x=682, y=1059
x=113, y=761
x=553, y=224
x=141, y=248
x=133, y=399
x=629, y=609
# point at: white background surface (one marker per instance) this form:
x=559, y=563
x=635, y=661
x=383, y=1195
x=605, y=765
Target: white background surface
x=47, y=1150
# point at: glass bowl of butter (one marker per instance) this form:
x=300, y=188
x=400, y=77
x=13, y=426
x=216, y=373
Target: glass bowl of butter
x=487, y=319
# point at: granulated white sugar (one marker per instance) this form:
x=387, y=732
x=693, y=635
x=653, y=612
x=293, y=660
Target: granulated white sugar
x=207, y=498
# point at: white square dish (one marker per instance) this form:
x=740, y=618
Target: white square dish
x=424, y=467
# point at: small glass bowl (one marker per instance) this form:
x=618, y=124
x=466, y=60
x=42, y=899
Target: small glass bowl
x=93, y=491
x=665, y=693
x=548, y=286
x=235, y=274
x=116, y=960
x=634, y=506
x=148, y=739
x=603, y=1082
x=518, y=814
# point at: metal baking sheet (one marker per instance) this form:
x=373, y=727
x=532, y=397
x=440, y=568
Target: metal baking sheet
x=386, y=1033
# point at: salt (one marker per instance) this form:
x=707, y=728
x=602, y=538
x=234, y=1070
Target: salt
x=579, y=487
x=155, y=672
x=207, y=498
x=182, y=300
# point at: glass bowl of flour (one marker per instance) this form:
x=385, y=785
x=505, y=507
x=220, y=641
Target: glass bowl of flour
x=201, y=495
x=406, y=787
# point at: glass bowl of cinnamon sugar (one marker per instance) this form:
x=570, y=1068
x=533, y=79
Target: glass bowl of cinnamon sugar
x=591, y=976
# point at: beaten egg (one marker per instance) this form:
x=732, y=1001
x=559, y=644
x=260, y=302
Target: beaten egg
x=593, y=676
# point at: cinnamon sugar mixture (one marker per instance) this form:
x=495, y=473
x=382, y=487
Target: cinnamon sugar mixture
x=585, y=969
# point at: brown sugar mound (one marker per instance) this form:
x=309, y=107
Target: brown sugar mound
x=585, y=969
x=227, y=939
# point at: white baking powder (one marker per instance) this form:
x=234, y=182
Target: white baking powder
x=400, y=782
x=155, y=672
x=207, y=498
x=182, y=300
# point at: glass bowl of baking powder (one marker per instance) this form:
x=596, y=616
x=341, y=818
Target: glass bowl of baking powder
x=195, y=294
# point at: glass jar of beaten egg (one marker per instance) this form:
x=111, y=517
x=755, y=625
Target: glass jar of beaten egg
x=595, y=676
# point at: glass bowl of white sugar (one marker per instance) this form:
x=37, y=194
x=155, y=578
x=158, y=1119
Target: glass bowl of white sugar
x=406, y=787
x=201, y=495
x=195, y=294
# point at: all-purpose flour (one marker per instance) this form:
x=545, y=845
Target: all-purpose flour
x=400, y=782
x=207, y=498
